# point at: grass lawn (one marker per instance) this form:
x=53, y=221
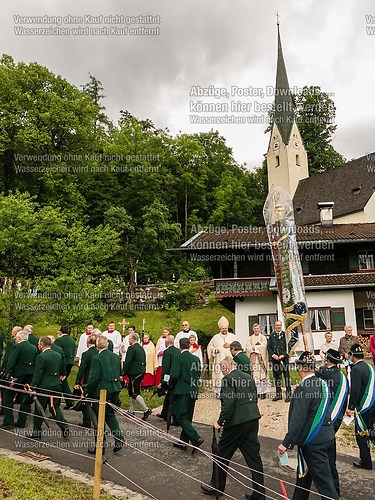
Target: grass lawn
x=19, y=481
x=200, y=318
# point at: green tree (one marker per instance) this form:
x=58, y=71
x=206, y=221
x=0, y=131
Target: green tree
x=40, y=248
x=28, y=234
x=77, y=285
x=233, y=204
x=47, y=127
x=145, y=237
x=315, y=116
x=191, y=173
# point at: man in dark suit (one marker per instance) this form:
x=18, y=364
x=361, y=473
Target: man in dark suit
x=33, y=339
x=278, y=354
x=19, y=369
x=68, y=345
x=339, y=388
x=83, y=374
x=8, y=347
x=311, y=429
x=239, y=418
x=46, y=379
x=168, y=355
x=105, y=373
x=135, y=368
x=362, y=403
x=57, y=349
x=185, y=373
x=239, y=357
x=337, y=384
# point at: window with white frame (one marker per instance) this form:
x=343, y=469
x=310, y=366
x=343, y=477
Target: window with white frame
x=366, y=259
x=368, y=319
x=320, y=319
x=266, y=323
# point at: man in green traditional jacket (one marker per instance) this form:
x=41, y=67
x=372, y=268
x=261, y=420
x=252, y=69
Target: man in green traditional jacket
x=20, y=370
x=68, y=345
x=46, y=379
x=169, y=353
x=135, y=368
x=9, y=345
x=84, y=373
x=239, y=357
x=33, y=339
x=239, y=418
x=8, y=348
x=57, y=349
x=105, y=374
x=184, y=378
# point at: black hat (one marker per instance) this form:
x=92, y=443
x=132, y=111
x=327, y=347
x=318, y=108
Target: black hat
x=306, y=359
x=334, y=356
x=357, y=351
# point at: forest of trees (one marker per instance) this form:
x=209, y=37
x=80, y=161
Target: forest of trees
x=84, y=200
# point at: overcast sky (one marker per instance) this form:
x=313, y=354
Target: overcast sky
x=222, y=43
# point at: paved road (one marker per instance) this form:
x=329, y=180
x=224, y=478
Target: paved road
x=157, y=478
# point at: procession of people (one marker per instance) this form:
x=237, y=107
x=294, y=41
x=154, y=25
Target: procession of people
x=240, y=376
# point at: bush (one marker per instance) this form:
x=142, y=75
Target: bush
x=203, y=338
x=185, y=296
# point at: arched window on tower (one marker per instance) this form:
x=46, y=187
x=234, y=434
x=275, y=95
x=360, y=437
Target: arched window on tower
x=297, y=161
x=277, y=160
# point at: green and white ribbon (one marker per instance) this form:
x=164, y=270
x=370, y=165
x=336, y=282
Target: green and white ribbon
x=365, y=404
x=318, y=421
x=340, y=397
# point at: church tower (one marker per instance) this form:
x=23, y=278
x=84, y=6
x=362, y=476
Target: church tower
x=286, y=155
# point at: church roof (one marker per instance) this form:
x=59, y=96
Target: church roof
x=350, y=187
x=284, y=108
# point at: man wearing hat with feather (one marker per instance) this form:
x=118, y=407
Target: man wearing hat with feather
x=338, y=386
x=311, y=429
x=362, y=404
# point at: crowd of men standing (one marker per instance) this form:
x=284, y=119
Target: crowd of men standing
x=241, y=377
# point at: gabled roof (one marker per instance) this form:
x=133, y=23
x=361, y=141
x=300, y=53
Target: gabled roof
x=339, y=280
x=256, y=237
x=350, y=187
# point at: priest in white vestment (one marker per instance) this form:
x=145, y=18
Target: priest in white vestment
x=218, y=349
x=256, y=349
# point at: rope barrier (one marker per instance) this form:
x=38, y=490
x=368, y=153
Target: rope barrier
x=130, y=481
x=174, y=439
x=47, y=392
x=214, y=458
x=217, y=460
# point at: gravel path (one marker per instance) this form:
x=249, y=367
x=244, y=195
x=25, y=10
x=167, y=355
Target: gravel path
x=273, y=423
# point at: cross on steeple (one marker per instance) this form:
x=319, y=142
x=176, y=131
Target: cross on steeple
x=277, y=19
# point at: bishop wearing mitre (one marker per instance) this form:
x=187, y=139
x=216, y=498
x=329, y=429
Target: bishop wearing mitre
x=218, y=349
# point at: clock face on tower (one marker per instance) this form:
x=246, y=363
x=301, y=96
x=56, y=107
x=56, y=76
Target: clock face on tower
x=296, y=144
x=276, y=145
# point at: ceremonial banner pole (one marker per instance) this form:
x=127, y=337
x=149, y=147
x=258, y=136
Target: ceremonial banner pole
x=279, y=218
x=99, y=445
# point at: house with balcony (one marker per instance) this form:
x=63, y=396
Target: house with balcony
x=335, y=228
x=338, y=264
